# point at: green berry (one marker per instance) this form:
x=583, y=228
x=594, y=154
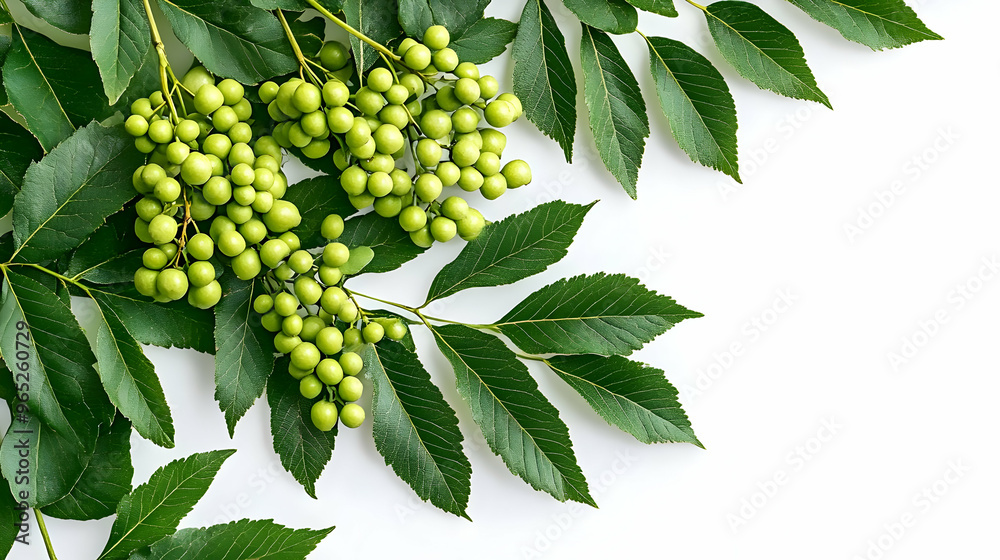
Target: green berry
x=207, y=99
x=205, y=297
x=197, y=169
x=310, y=387
x=201, y=273
x=336, y=254
x=172, y=284
x=282, y=217
x=373, y=332
x=395, y=330
x=329, y=371
x=428, y=187
x=445, y=59
x=306, y=355
x=352, y=415
x=412, y=218
x=436, y=37
x=136, y=125
x=246, y=265
x=422, y=237
x=443, y=229
x=308, y=290
x=352, y=363
x=231, y=243
x=300, y=261
x=323, y=414
x=417, y=57
x=162, y=229
x=285, y=344
x=334, y=56
x=330, y=340
x=263, y=303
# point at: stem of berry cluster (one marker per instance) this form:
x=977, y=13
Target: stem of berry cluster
x=164, y=64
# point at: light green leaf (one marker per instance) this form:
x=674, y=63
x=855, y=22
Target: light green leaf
x=240, y=540
x=232, y=39
x=68, y=194
x=316, y=198
x=55, y=88
x=762, y=50
x=415, y=429
x=597, y=314
x=878, y=24
x=154, y=509
x=119, y=42
x=106, y=480
x=512, y=249
x=245, y=354
x=377, y=20
x=18, y=148
x=518, y=422
x=629, y=395
x=128, y=376
x=174, y=324
x=695, y=98
x=456, y=15
x=304, y=450
x=361, y=255
x=485, y=40
x=391, y=244
x=613, y=16
x=662, y=7
x=72, y=16
x=617, y=111
x=543, y=75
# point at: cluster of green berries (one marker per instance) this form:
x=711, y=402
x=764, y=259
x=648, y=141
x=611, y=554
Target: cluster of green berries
x=212, y=193
x=320, y=327
x=417, y=114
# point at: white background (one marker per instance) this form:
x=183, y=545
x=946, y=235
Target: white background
x=818, y=446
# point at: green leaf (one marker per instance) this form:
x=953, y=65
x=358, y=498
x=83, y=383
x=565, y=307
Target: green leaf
x=174, y=324
x=456, y=15
x=107, y=479
x=18, y=148
x=316, y=198
x=629, y=395
x=512, y=249
x=361, y=255
x=232, y=39
x=613, y=16
x=119, y=42
x=762, y=50
x=376, y=19
x=662, y=7
x=54, y=368
x=695, y=98
x=296, y=5
x=68, y=194
x=304, y=450
x=415, y=429
x=128, y=376
x=392, y=245
x=10, y=510
x=5, y=42
x=240, y=540
x=72, y=16
x=154, y=509
x=617, y=110
x=519, y=423
x=309, y=34
x=245, y=353
x=105, y=256
x=5, y=18
x=543, y=75
x=485, y=40
x=597, y=314
x=55, y=88
x=878, y=24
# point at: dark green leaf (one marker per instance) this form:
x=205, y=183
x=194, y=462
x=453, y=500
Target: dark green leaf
x=762, y=50
x=543, y=75
x=128, y=376
x=519, y=423
x=415, y=429
x=56, y=461
x=107, y=479
x=68, y=194
x=5, y=42
x=245, y=354
x=324, y=165
x=695, y=98
x=119, y=42
x=296, y=5
x=154, y=509
x=662, y=7
x=617, y=111
x=18, y=148
x=613, y=16
x=597, y=314
x=10, y=510
x=5, y=18
x=485, y=40
x=512, y=249
x=304, y=450
x=629, y=395
x=72, y=16
x=110, y=242
x=393, y=246
x=232, y=39
x=316, y=198
x=456, y=15
x=174, y=324
x=309, y=34
x=240, y=540
x=376, y=19
x=55, y=88
x=879, y=24
x=116, y=271
x=67, y=404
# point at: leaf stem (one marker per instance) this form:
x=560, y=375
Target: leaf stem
x=296, y=49
x=423, y=317
x=699, y=6
x=531, y=357
x=45, y=535
x=64, y=279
